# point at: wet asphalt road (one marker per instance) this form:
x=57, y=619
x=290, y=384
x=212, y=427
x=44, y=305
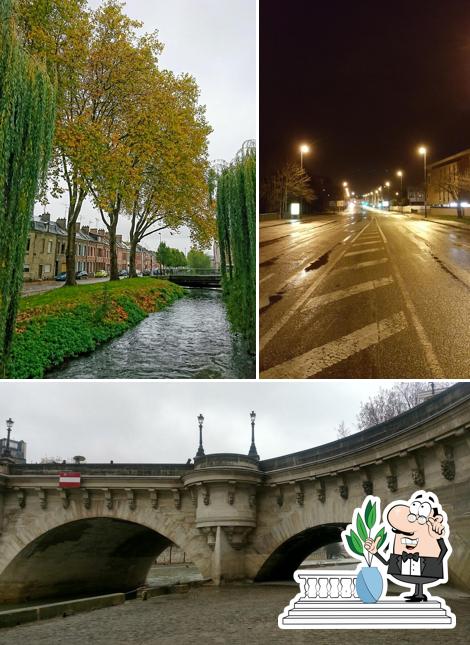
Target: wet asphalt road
x=363, y=294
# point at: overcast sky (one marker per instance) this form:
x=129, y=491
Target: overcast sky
x=156, y=421
x=215, y=41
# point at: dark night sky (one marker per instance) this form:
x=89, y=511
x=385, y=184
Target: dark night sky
x=365, y=83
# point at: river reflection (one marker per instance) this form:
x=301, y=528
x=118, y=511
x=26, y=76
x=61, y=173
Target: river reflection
x=190, y=339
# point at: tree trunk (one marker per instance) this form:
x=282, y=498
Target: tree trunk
x=70, y=255
x=459, y=210
x=114, y=271
x=132, y=256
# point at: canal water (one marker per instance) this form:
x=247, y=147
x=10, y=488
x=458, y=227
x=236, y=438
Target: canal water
x=190, y=339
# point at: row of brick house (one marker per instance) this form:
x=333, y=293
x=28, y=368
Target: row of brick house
x=47, y=243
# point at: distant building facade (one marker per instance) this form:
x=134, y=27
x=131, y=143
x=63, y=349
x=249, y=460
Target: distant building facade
x=449, y=180
x=47, y=243
x=17, y=450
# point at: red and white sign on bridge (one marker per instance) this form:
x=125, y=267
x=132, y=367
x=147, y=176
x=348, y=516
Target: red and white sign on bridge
x=69, y=480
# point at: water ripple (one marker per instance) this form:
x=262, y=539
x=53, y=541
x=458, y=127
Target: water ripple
x=190, y=339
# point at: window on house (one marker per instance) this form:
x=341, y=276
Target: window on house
x=47, y=268
x=26, y=268
x=28, y=243
x=49, y=246
x=43, y=245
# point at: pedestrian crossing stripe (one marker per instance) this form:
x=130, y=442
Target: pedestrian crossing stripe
x=320, y=358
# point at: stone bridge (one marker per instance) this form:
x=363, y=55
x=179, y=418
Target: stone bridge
x=235, y=516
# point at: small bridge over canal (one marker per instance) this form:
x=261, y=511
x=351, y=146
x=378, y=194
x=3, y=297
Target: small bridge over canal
x=207, y=279
x=235, y=516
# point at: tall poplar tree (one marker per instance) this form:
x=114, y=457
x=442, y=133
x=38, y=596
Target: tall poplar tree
x=27, y=114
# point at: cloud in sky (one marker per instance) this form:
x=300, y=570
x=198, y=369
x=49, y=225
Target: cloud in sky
x=215, y=41
x=138, y=421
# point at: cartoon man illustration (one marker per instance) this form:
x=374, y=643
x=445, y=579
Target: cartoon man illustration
x=419, y=547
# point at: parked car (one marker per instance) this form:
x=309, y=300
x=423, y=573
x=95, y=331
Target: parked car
x=101, y=274
x=61, y=277
x=146, y=272
x=81, y=274
x=123, y=273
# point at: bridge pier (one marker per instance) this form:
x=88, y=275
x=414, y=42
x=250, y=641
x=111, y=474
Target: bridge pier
x=225, y=490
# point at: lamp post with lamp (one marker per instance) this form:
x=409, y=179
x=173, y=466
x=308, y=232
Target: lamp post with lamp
x=7, y=452
x=253, y=452
x=400, y=174
x=200, y=450
x=422, y=150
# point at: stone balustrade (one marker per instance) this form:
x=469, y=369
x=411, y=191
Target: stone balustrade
x=321, y=584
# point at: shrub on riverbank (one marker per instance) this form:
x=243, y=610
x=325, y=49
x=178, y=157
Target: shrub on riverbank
x=69, y=321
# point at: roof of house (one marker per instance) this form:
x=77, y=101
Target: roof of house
x=458, y=155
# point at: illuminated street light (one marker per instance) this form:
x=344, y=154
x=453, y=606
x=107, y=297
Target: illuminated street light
x=345, y=184
x=400, y=174
x=423, y=151
x=304, y=149
x=387, y=183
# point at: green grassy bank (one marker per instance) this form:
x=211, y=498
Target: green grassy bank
x=69, y=321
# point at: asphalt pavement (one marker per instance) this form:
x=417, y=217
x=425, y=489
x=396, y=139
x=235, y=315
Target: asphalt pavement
x=364, y=294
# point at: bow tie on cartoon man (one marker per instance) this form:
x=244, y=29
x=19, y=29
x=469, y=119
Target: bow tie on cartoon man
x=419, y=546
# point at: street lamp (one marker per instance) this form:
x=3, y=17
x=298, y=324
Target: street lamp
x=6, y=452
x=400, y=174
x=423, y=151
x=304, y=149
x=253, y=452
x=200, y=450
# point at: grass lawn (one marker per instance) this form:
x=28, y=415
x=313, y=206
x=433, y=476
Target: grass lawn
x=69, y=321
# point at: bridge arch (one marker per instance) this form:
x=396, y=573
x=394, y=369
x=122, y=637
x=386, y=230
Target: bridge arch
x=288, y=556
x=95, y=554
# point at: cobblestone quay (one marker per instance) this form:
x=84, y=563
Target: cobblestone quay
x=225, y=615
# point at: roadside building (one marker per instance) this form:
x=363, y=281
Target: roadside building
x=123, y=251
x=415, y=195
x=144, y=260
x=41, y=261
x=449, y=181
x=101, y=245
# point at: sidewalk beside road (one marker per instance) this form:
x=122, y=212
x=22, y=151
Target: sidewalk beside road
x=437, y=220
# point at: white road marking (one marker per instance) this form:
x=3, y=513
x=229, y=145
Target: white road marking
x=376, y=248
x=361, y=265
x=273, y=330
x=340, y=294
x=366, y=243
x=431, y=358
x=320, y=358
x=266, y=278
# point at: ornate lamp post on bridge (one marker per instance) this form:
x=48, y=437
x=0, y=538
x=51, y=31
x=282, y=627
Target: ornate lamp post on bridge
x=6, y=452
x=200, y=450
x=253, y=452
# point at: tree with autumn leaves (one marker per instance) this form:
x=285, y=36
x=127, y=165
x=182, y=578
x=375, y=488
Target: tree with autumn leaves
x=129, y=136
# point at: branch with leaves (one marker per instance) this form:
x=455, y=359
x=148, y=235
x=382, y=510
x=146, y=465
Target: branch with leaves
x=364, y=527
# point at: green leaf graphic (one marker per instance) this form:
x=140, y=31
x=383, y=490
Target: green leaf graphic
x=382, y=536
x=355, y=543
x=361, y=529
x=370, y=514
